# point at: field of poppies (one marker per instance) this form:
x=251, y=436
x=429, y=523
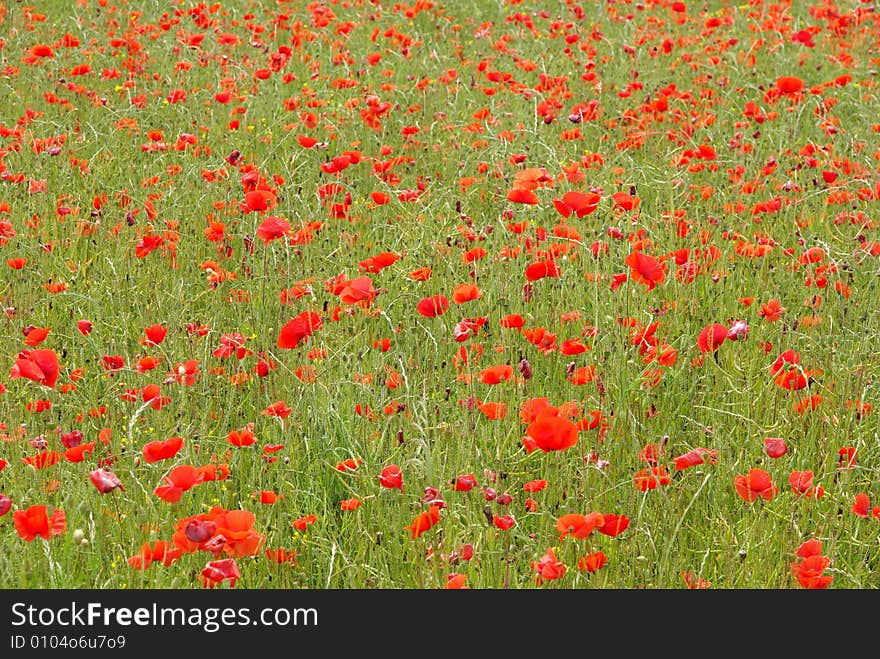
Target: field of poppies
x=515, y=294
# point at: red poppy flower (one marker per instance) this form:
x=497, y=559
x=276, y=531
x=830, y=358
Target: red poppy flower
x=43, y=459
x=505, y=522
x=35, y=521
x=268, y=497
x=422, y=274
x=496, y=374
x=302, y=523
x=579, y=526
x=455, y=581
x=579, y=203
x=272, y=228
x=243, y=437
x=424, y=521
x=809, y=570
x=775, y=447
x=695, y=582
x=465, y=293
x=379, y=262
x=535, y=486
x=215, y=572
x=550, y=432
x=789, y=84
x=802, y=484
x=711, y=338
x=281, y=555
x=757, y=484
x=624, y=201
x=161, y=449
x=522, y=196
x=36, y=336
x=79, y=453
x=159, y=552
x=349, y=464
x=548, y=567
x=259, y=200
x=646, y=270
x=5, y=504
x=695, y=457
x=541, y=269
x=464, y=482
x=299, y=329
x=651, y=478
x=42, y=50
x=436, y=305
x=154, y=335
x=38, y=365
x=846, y=457
x=359, y=290
x=493, y=411
x=592, y=562
x=178, y=481
x=391, y=477
x=512, y=321
x=771, y=311
x=862, y=505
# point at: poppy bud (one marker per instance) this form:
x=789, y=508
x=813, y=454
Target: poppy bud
x=5, y=504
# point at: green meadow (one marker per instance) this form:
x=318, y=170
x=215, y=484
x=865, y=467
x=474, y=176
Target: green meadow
x=501, y=295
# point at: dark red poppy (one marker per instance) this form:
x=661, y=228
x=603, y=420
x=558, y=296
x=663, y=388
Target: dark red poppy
x=775, y=447
x=711, y=338
x=105, y=481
